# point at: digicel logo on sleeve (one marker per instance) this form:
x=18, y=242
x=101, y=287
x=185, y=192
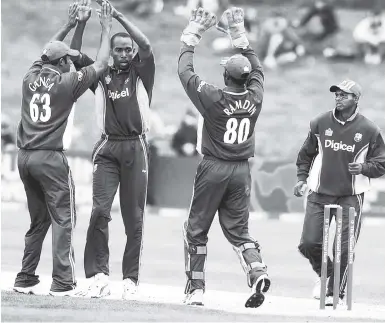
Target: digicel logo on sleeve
x=336, y=146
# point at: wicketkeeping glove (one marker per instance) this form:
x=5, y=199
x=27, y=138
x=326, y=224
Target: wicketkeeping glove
x=232, y=22
x=200, y=21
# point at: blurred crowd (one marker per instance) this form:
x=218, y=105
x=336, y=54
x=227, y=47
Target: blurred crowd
x=314, y=29
x=315, y=26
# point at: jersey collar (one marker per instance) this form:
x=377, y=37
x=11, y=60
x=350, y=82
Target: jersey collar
x=52, y=68
x=119, y=71
x=234, y=90
x=351, y=118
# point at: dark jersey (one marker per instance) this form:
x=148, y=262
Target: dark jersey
x=47, y=99
x=123, y=98
x=331, y=145
x=228, y=116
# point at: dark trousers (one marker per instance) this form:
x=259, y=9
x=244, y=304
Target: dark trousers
x=224, y=187
x=51, y=199
x=312, y=234
x=123, y=162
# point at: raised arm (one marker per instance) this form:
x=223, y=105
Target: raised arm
x=144, y=46
x=60, y=35
x=80, y=81
x=234, y=18
x=195, y=88
x=84, y=13
x=103, y=55
x=71, y=23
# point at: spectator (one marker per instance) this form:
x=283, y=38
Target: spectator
x=143, y=8
x=369, y=36
x=185, y=139
x=320, y=14
x=279, y=43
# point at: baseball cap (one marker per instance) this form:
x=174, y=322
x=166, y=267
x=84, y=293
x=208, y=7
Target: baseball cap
x=57, y=49
x=348, y=86
x=238, y=66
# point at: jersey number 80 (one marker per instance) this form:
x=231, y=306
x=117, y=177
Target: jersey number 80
x=34, y=111
x=236, y=132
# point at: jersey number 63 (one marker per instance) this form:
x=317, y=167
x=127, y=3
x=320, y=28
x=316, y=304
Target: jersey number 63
x=43, y=100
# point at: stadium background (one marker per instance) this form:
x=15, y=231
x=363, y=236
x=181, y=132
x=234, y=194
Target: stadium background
x=294, y=95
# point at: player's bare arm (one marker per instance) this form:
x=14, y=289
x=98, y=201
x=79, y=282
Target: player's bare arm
x=70, y=24
x=144, y=46
x=103, y=55
x=84, y=13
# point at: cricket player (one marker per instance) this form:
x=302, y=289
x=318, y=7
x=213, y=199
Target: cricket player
x=122, y=99
x=226, y=140
x=49, y=91
x=342, y=152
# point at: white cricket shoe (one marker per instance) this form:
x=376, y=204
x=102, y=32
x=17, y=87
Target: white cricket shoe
x=99, y=287
x=129, y=289
x=25, y=290
x=329, y=301
x=316, y=293
x=70, y=293
x=317, y=289
x=258, y=289
x=194, y=298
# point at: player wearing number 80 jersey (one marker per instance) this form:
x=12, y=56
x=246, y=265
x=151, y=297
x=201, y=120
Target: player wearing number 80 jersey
x=49, y=92
x=226, y=140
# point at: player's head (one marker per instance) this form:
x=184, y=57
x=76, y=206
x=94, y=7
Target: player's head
x=122, y=50
x=59, y=54
x=237, y=70
x=347, y=94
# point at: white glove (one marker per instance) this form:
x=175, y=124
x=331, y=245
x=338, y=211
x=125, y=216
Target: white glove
x=234, y=19
x=200, y=21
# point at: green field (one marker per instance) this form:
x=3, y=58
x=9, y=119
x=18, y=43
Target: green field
x=293, y=95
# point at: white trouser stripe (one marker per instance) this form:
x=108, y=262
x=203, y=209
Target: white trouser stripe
x=72, y=210
x=145, y=201
x=98, y=149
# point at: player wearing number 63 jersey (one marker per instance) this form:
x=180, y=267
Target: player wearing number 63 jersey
x=226, y=140
x=49, y=92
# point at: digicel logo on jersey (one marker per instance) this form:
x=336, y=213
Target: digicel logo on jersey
x=116, y=95
x=339, y=145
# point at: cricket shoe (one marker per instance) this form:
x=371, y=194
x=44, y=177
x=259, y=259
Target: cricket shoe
x=258, y=289
x=194, y=298
x=329, y=300
x=99, y=287
x=71, y=292
x=130, y=289
x=316, y=293
x=26, y=284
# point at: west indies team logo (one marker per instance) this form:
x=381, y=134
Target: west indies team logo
x=108, y=79
x=329, y=132
x=358, y=137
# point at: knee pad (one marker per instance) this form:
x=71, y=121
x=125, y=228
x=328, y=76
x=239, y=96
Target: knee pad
x=195, y=260
x=250, y=263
